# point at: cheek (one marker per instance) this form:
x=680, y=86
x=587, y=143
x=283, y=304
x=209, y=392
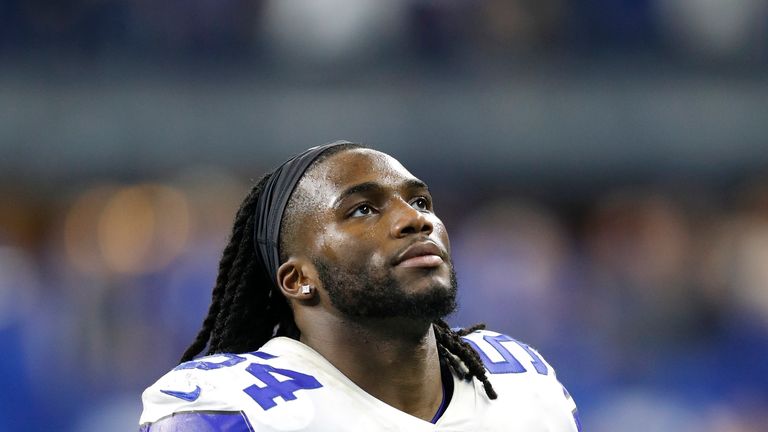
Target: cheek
x=378, y=260
x=336, y=246
x=329, y=244
x=441, y=233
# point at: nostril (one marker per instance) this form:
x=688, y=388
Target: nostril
x=410, y=229
x=427, y=227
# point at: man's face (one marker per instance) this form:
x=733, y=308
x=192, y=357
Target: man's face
x=378, y=247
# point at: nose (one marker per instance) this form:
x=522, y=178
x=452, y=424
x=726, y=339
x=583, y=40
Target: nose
x=409, y=221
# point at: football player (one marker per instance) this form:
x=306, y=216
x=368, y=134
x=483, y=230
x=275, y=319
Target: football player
x=327, y=315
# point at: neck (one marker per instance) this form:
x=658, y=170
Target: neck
x=394, y=360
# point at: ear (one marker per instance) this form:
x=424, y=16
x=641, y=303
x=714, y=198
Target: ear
x=292, y=275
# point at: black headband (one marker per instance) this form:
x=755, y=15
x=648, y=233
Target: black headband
x=272, y=202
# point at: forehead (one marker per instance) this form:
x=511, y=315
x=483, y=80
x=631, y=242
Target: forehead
x=352, y=167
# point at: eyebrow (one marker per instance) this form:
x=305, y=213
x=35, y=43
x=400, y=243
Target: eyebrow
x=368, y=187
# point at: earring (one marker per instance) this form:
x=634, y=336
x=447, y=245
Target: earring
x=306, y=289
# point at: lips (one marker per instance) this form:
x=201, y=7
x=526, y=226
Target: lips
x=424, y=254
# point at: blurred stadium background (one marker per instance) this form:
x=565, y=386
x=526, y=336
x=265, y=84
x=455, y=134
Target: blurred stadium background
x=601, y=165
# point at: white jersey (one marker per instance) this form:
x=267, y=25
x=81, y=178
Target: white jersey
x=287, y=386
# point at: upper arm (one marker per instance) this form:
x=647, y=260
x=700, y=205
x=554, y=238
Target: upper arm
x=200, y=421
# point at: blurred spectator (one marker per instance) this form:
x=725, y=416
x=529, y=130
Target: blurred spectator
x=639, y=248
x=716, y=29
x=521, y=26
x=19, y=287
x=331, y=31
x=511, y=259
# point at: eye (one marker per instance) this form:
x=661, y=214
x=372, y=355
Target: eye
x=362, y=210
x=420, y=203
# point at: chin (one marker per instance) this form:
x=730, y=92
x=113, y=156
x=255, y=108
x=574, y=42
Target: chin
x=419, y=279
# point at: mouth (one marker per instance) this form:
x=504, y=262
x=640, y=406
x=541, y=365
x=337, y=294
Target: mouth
x=424, y=255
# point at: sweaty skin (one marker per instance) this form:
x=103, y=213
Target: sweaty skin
x=366, y=211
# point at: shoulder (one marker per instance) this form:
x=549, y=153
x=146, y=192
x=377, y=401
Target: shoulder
x=520, y=374
x=502, y=354
x=235, y=392
x=220, y=390
x=202, y=386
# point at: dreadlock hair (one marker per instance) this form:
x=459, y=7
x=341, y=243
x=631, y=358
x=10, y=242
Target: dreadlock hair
x=246, y=311
x=460, y=356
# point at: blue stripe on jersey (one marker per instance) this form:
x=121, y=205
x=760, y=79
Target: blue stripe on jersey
x=200, y=421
